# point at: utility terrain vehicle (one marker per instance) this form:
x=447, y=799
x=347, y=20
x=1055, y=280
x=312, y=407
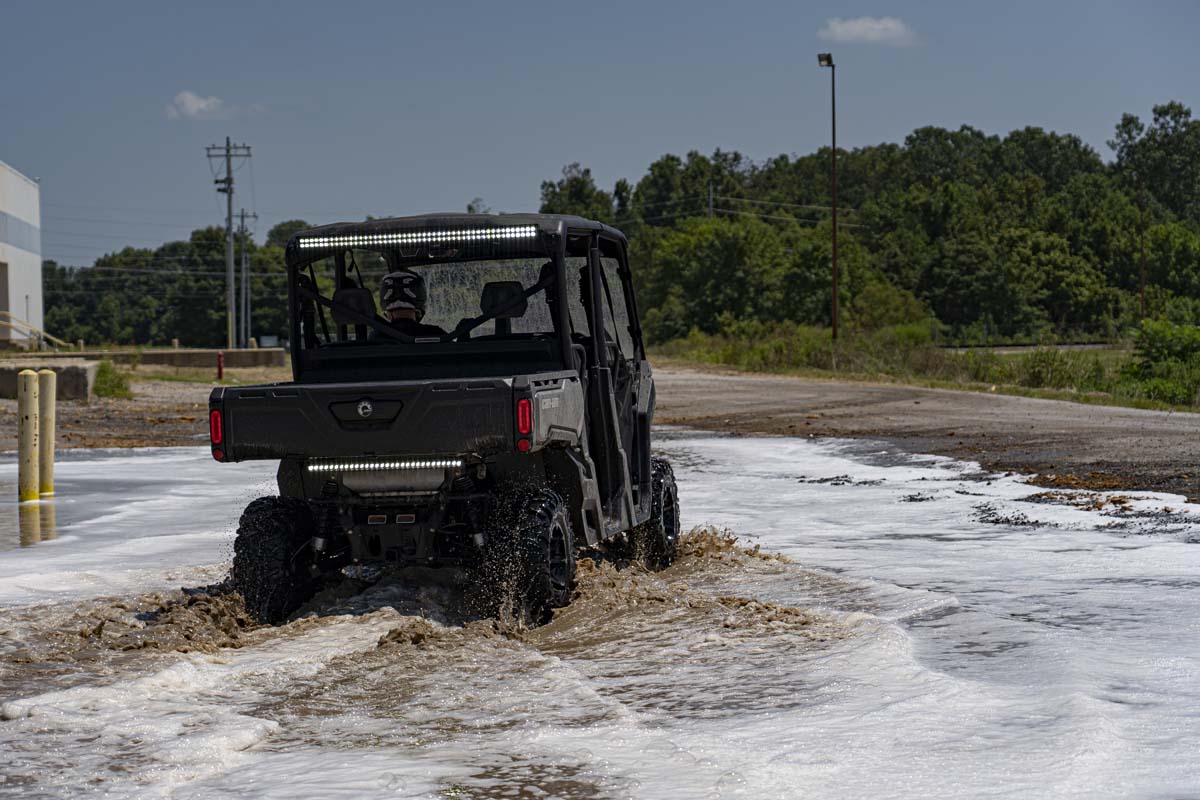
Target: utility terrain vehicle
x=492, y=414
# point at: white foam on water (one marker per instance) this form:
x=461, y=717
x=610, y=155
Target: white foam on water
x=173, y=726
x=127, y=521
x=991, y=644
x=1062, y=661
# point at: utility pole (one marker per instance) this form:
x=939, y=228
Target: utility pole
x=1142, y=251
x=225, y=187
x=244, y=233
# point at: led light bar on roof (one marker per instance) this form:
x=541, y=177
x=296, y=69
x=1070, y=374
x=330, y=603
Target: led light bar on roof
x=422, y=237
x=385, y=464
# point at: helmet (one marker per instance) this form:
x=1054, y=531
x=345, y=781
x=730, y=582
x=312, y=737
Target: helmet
x=403, y=289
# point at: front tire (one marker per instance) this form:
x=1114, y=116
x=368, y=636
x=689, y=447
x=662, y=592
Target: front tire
x=271, y=556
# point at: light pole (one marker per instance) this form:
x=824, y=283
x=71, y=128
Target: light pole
x=1142, y=251
x=826, y=60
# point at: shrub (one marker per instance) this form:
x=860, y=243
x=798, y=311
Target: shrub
x=984, y=366
x=1158, y=342
x=1046, y=368
x=111, y=383
x=880, y=304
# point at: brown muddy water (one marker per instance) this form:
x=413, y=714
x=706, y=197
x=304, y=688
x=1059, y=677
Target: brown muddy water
x=941, y=631
x=692, y=641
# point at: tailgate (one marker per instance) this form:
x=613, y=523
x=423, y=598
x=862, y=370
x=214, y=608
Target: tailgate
x=355, y=419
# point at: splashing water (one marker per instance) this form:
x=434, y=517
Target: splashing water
x=854, y=642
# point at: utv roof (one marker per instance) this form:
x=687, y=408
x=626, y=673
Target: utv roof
x=545, y=223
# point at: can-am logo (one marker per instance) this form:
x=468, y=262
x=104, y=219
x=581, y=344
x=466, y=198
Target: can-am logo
x=365, y=409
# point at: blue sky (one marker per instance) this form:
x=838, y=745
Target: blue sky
x=395, y=108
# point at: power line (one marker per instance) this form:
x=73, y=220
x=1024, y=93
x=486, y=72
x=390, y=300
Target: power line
x=135, y=270
x=98, y=236
x=659, y=218
x=789, y=205
x=784, y=219
x=685, y=199
x=180, y=212
x=134, y=259
x=152, y=295
x=139, y=223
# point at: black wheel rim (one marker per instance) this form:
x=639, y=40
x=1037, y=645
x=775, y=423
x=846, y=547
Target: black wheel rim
x=559, y=559
x=670, y=523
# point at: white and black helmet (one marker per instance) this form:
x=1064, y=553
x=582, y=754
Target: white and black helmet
x=403, y=289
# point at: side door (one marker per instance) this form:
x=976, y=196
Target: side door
x=626, y=358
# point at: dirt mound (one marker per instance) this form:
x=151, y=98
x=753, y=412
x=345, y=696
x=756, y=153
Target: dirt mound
x=1093, y=481
x=710, y=544
x=613, y=602
x=1085, y=501
x=187, y=621
x=190, y=620
x=602, y=589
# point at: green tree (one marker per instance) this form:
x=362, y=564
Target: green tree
x=715, y=267
x=279, y=235
x=1162, y=159
x=576, y=193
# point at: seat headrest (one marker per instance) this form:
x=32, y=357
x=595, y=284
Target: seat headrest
x=358, y=298
x=503, y=300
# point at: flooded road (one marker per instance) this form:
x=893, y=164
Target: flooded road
x=886, y=626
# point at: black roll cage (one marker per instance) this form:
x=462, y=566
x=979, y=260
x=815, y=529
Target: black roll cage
x=552, y=244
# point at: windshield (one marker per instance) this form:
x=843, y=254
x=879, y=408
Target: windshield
x=358, y=304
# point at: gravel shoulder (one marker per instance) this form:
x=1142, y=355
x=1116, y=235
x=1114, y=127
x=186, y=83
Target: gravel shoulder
x=161, y=413
x=1066, y=444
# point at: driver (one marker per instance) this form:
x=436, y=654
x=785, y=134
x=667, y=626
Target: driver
x=403, y=297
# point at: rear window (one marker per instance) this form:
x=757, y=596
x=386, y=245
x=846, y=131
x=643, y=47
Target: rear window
x=468, y=311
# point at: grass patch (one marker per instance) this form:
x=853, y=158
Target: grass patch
x=1149, y=376
x=110, y=382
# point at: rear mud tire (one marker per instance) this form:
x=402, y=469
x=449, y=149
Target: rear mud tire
x=271, y=558
x=656, y=541
x=529, y=562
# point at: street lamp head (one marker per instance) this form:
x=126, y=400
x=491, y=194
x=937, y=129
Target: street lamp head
x=825, y=59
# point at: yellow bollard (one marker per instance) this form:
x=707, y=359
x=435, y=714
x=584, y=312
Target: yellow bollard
x=46, y=519
x=27, y=435
x=47, y=397
x=30, y=522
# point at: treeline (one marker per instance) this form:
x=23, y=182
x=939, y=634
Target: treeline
x=980, y=238
x=149, y=296
x=1027, y=237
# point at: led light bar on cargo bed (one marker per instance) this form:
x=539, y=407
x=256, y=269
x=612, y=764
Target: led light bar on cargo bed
x=422, y=237
x=384, y=464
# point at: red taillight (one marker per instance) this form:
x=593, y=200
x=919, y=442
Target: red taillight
x=523, y=445
x=524, y=417
x=218, y=454
x=216, y=430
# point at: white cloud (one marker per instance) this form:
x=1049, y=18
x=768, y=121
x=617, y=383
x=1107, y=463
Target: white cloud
x=189, y=105
x=868, y=30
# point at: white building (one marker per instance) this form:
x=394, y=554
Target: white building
x=20, y=256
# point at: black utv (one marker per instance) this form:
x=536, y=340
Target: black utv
x=470, y=392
